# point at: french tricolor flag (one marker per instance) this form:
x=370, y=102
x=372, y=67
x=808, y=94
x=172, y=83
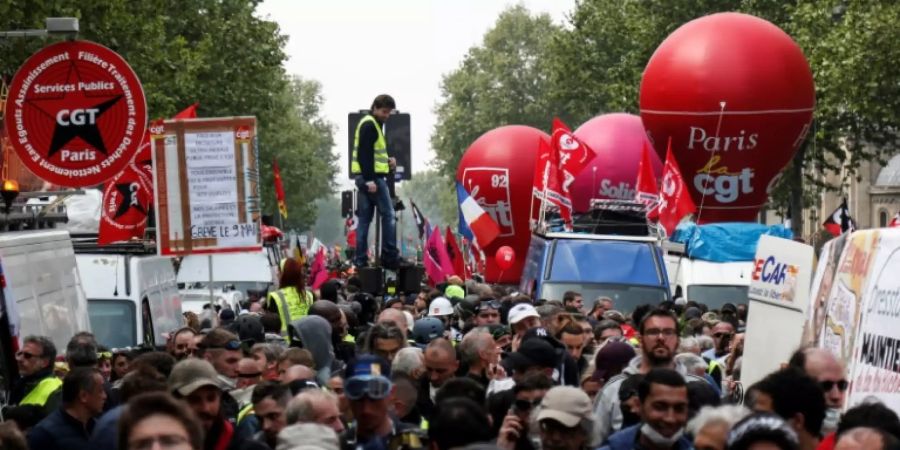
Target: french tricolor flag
x=474, y=223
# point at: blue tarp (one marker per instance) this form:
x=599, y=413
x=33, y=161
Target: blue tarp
x=725, y=242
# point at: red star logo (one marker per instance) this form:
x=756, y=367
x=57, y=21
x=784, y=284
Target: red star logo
x=92, y=105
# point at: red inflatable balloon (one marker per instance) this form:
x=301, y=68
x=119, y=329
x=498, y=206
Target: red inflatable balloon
x=736, y=96
x=505, y=257
x=618, y=139
x=497, y=170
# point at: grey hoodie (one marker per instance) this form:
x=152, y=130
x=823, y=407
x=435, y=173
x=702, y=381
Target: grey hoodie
x=607, y=412
x=315, y=334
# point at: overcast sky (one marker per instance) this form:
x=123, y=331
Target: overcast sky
x=358, y=49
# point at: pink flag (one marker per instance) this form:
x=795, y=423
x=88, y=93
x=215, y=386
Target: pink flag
x=437, y=262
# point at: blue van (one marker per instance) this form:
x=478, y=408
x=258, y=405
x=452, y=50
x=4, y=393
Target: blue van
x=628, y=269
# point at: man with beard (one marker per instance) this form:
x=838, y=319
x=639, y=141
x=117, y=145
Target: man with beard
x=659, y=340
x=197, y=382
x=183, y=343
x=663, y=396
x=440, y=365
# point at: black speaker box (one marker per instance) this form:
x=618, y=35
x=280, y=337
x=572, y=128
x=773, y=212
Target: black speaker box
x=372, y=279
x=409, y=278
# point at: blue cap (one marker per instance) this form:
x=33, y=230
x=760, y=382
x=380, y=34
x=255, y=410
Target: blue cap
x=369, y=366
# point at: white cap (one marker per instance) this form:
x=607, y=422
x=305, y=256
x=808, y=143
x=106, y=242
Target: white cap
x=521, y=311
x=440, y=306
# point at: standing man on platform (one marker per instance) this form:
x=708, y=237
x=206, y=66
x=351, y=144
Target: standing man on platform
x=370, y=167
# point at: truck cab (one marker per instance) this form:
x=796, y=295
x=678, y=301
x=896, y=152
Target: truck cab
x=132, y=295
x=611, y=252
x=710, y=283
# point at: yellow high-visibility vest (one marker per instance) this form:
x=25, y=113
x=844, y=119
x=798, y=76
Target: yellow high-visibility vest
x=381, y=155
x=42, y=392
x=290, y=306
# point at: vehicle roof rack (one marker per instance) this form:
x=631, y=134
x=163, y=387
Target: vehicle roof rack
x=85, y=243
x=605, y=217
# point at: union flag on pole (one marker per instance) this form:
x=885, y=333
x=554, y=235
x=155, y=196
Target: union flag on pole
x=647, y=190
x=573, y=154
x=279, y=190
x=675, y=201
x=547, y=185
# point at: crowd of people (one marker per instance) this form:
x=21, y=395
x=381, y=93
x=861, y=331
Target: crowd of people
x=464, y=365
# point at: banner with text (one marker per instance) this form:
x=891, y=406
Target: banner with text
x=779, y=293
x=875, y=360
x=206, y=185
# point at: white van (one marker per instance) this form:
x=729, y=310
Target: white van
x=235, y=277
x=131, y=292
x=43, y=290
x=710, y=283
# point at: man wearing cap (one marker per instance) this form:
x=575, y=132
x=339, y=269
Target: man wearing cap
x=565, y=420
x=369, y=389
x=663, y=396
x=523, y=317
x=454, y=291
x=659, y=341
x=222, y=349
x=196, y=381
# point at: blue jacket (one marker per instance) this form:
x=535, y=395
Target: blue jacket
x=60, y=431
x=106, y=432
x=627, y=439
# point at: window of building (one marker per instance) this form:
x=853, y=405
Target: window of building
x=882, y=218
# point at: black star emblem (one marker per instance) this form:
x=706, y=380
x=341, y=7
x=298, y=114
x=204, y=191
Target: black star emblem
x=129, y=200
x=88, y=132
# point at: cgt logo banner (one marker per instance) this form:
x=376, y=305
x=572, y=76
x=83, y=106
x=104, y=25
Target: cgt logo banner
x=76, y=113
x=489, y=186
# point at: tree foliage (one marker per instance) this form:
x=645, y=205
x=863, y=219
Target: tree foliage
x=215, y=52
x=503, y=81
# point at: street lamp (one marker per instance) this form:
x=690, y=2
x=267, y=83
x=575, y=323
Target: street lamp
x=9, y=191
x=61, y=26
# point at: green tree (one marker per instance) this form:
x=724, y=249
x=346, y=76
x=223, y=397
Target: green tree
x=503, y=81
x=215, y=52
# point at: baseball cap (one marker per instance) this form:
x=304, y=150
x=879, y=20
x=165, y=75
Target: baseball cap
x=565, y=404
x=191, y=374
x=534, y=352
x=521, y=311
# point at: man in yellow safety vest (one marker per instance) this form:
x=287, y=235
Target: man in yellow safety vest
x=371, y=166
x=292, y=301
x=38, y=388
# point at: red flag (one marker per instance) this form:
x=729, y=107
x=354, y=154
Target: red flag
x=143, y=159
x=546, y=184
x=895, y=222
x=317, y=272
x=456, y=257
x=279, y=190
x=351, y=231
x=437, y=261
x=647, y=190
x=574, y=155
x=126, y=202
x=839, y=221
x=675, y=200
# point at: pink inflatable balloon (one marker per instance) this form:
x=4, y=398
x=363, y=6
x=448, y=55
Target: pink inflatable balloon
x=618, y=139
x=498, y=170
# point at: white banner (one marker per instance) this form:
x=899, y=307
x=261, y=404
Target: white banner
x=779, y=295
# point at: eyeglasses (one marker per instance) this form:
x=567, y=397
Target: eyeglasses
x=657, y=332
x=526, y=405
x=721, y=335
x=166, y=441
x=25, y=355
x=828, y=385
x=230, y=345
x=489, y=304
x=375, y=388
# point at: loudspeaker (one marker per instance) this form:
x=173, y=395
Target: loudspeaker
x=409, y=278
x=372, y=279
